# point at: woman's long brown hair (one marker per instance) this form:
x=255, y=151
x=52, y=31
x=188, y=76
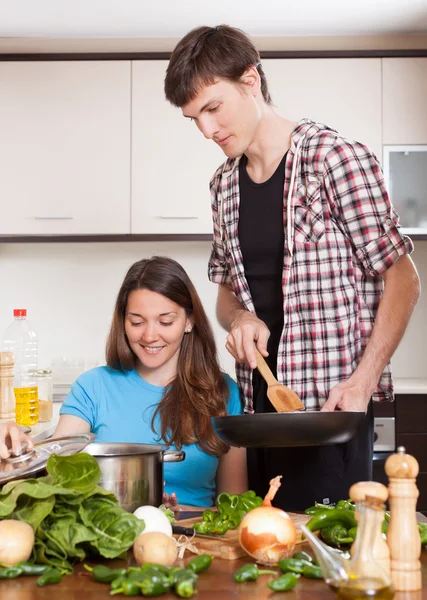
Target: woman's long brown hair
x=199, y=390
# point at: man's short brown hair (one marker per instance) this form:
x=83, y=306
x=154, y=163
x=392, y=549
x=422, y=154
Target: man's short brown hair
x=208, y=53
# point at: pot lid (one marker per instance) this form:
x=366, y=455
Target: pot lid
x=31, y=461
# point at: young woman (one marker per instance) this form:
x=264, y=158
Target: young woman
x=162, y=384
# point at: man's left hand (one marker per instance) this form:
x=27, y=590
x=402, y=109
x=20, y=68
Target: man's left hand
x=347, y=396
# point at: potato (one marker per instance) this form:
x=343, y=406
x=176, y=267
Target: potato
x=16, y=541
x=155, y=547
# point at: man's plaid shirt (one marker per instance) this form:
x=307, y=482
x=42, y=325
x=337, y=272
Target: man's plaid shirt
x=341, y=234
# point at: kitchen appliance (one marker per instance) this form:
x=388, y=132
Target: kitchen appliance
x=133, y=472
x=269, y=430
x=384, y=446
x=405, y=175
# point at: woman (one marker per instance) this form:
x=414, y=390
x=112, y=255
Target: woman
x=162, y=384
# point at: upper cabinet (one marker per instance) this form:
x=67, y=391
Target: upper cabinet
x=405, y=100
x=344, y=94
x=65, y=147
x=172, y=163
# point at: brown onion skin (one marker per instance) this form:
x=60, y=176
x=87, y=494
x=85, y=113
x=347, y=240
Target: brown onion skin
x=265, y=547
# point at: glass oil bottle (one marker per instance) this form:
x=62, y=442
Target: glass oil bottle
x=366, y=578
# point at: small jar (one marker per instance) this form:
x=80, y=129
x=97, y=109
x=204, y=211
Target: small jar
x=44, y=383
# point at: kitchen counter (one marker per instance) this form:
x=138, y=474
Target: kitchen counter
x=215, y=584
x=410, y=386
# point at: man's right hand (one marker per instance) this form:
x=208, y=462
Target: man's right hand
x=11, y=439
x=246, y=331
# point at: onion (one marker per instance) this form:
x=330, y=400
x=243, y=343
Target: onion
x=268, y=534
x=16, y=541
x=154, y=519
x=155, y=547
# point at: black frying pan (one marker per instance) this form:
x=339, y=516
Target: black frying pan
x=269, y=430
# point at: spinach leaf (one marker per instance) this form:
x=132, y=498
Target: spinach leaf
x=33, y=488
x=79, y=472
x=33, y=511
x=116, y=529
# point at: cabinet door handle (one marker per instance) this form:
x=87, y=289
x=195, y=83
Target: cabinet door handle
x=176, y=217
x=53, y=218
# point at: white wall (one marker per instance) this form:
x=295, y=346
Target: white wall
x=70, y=289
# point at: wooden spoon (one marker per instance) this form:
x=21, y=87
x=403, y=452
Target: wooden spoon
x=281, y=397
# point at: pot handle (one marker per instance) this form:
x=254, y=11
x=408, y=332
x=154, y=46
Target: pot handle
x=173, y=456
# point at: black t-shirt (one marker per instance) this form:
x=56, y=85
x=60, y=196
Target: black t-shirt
x=261, y=236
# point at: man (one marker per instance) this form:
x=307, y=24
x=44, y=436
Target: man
x=308, y=255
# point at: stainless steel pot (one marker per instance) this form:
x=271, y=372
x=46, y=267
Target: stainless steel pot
x=133, y=472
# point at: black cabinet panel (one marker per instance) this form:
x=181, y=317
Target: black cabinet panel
x=415, y=444
x=411, y=413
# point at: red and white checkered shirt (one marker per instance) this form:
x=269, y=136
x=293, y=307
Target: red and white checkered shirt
x=341, y=234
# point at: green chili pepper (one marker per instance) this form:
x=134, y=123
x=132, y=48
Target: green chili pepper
x=250, y=573
x=293, y=565
x=117, y=583
x=32, y=569
x=50, y=576
x=154, y=584
x=185, y=588
x=423, y=533
x=103, y=574
x=336, y=535
x=352, y=533
x=284, y=583
x=177, y=574
x=301, y=555
x=10, y=572
x=313, y=510
x=200, y=563
x=335, y=516
x=184, y=582
x=312, y=571
x=128, y=588
x=347, y=504
x=152, y=566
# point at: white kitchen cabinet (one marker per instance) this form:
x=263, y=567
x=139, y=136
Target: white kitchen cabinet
x=344, y=94
x=405, y=100
x=172, y=163
x=65, y=147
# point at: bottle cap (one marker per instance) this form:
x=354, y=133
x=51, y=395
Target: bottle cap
x=19, y=312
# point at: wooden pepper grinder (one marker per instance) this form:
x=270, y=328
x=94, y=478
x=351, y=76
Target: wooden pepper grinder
x=7, y=395
x=359, y=492
x=403, y=536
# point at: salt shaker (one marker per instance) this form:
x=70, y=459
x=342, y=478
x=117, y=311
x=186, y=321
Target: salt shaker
x=403, y=536
x=7, y=394
x=359, y=492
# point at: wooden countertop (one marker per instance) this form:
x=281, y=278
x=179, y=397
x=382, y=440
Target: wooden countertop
x=215, y=584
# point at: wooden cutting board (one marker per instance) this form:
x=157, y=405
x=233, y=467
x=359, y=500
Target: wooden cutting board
x=228, y=546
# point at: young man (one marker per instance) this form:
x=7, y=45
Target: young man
x=308, y=255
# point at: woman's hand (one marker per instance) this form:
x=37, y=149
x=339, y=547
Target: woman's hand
x=171, y=501
x=11, y=439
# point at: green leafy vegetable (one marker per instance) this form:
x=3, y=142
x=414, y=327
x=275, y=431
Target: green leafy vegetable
x=70, y=514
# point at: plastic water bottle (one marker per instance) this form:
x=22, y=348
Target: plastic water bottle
x=21, y=339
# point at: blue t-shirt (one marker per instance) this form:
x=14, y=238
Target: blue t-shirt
x=119, y=407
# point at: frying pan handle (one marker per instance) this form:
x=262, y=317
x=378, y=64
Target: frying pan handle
x=264, y=369
x=173, y=456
